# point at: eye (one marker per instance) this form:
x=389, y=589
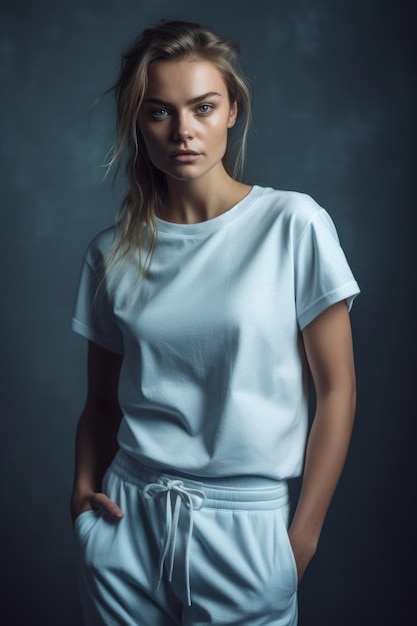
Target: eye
x=204, y=109
x=159, y=113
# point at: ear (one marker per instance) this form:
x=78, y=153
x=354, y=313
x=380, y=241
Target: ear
x=232, y=115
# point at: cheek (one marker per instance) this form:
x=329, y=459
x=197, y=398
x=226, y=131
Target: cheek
x=217, y=130
x=151, y=141
x=149, y=137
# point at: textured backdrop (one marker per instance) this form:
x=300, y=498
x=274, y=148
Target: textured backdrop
x=335, y=93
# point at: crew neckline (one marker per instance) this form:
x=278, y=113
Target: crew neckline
x=213, y=224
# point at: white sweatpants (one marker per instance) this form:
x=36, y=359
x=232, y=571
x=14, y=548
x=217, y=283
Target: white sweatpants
x=186, y=552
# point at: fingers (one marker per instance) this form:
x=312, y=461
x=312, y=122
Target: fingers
x=101, y=501
x=97, y=501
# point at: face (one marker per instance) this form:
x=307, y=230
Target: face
x=185, y=116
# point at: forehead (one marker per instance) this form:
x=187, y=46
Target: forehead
x=189, y=78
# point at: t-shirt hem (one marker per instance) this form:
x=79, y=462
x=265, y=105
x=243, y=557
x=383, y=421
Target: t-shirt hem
x=346, y=292
x=92, y=335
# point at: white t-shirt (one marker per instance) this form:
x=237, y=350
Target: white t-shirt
x=214, y=380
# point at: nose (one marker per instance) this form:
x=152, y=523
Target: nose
x=182, y=129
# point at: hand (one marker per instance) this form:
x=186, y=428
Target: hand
x=303, y=553
x=95, y=501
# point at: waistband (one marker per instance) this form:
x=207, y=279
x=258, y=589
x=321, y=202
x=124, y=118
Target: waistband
x=233, y=492
x=181, y=496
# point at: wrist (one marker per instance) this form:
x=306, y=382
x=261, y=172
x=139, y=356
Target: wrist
x=81, y=492
x=80, y=500
x=302, y=545
x=304, y=537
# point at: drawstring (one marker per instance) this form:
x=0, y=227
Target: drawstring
x=193, y=500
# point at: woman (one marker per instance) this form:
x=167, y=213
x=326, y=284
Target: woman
x=206, y=307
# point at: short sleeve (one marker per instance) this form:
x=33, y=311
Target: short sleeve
x=93, y=315
x=322, y=273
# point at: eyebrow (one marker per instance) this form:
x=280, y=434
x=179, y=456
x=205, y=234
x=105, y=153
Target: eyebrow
x=195, y=100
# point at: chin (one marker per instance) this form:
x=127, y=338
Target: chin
x=189, y=176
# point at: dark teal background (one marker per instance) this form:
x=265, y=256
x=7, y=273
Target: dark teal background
x=335, y=98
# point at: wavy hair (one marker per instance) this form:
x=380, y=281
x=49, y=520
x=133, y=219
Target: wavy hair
x=136, y=230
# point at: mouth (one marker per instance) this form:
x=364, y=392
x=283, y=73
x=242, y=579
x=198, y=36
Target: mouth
x=184, y=156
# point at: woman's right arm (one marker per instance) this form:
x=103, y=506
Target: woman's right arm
x=96, y=441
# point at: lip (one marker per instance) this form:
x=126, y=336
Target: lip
x=185, y=156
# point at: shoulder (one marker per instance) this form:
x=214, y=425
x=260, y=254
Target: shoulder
x=100, y=246
x=294, y=209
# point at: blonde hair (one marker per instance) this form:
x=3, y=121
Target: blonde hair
x=169, y=40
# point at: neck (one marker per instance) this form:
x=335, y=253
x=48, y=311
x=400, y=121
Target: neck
x=193, y=201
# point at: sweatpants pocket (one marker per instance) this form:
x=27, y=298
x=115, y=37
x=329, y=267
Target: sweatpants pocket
x=292, y=566
x=85, y=522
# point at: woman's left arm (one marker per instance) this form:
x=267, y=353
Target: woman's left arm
x=328, y=346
